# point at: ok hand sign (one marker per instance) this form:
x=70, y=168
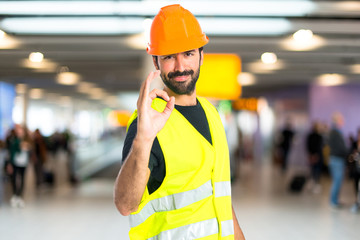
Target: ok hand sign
x=150, y=121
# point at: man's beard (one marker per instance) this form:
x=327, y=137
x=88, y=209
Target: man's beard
x=181, y=88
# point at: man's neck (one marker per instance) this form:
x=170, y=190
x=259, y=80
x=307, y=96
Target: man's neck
x=183, y=99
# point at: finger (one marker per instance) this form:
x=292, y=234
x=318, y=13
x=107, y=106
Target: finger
x=169, y=107
x=161, y=93
x=144, y=85
x=149, y=79
x=144, y=89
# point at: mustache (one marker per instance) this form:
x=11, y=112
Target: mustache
x=179, y=74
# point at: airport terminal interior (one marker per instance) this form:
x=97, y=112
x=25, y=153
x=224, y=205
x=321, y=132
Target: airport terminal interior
x=277, y=72
x=265, y=208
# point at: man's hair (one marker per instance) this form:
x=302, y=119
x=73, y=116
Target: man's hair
x=156, y=57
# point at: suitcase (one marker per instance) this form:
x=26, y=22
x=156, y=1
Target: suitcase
x=297, y=183
x=49, y=178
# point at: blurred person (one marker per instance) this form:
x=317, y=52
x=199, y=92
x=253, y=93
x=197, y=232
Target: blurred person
x=338, y=155
x=314, y=147
x=354, y=167
x=40, y=156
x=286, y=139
x=55, y=143
x=70, y=155
x=175, y=176
x=19, y=145
x=325, y=130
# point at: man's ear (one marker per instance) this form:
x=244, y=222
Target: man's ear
x=155, y=62
x=201, y=52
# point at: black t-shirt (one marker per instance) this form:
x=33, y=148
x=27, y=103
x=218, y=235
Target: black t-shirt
x=195, y=115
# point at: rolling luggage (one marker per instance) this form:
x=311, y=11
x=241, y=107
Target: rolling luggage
x=297, y=183
x=49, y=178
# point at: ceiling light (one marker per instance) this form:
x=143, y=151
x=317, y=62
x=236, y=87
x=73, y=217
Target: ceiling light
x=97, y=93
x=8, y=42
x=56, y=7
x=36, y=93
x=2, y=34
x=214, y=8
x=85, y=87
x=220, y=26
x=348, y=6
x=72, y=25
x=246, y=79
x=262, y=68
x=268, y=58
x=244, y=26
x=355, y=68
x=133, y=25
x=21, y=88
x=43, y=66
x=295, y=45
x=303, y=35
x=68, y=78
x=333, y=79
x=36, y=57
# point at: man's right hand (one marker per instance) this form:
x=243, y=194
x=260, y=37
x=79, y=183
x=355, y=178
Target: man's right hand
x=150, y=121
x=131, y=181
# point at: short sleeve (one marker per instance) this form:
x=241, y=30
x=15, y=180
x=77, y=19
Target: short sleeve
x=156, y=161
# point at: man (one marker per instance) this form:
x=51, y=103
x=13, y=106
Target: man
x=314, y=147
x=287, y=135
x=175, y=178
x=338, y=155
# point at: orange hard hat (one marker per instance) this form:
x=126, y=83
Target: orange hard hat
x=174, y=30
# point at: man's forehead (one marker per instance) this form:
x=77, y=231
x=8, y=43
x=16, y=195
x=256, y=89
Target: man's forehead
x=192, y=50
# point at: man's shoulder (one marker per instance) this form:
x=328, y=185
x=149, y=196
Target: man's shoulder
x=132, y=120
x=206, y=103
x=132, y=124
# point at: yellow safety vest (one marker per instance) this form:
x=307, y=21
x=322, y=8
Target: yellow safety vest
x=194, y=199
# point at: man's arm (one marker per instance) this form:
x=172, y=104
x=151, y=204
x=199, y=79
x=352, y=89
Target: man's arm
x=134, y=174
x=237, y=230
x=132, y=178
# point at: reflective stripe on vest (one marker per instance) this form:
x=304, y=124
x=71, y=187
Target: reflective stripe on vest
x=172, y=202
x=180, y=200
x=227, y=228
x=191, y=231
x=222, y=189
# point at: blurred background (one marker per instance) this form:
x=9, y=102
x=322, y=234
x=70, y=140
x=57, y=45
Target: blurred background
x=70, y=72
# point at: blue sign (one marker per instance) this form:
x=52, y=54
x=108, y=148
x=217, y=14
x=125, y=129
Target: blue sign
x=7, y=97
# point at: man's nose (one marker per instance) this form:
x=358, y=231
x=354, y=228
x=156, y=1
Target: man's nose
x=179, y=64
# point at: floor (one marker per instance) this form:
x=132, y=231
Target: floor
x=264, y=206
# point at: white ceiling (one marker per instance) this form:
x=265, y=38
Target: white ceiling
x=108, y=60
